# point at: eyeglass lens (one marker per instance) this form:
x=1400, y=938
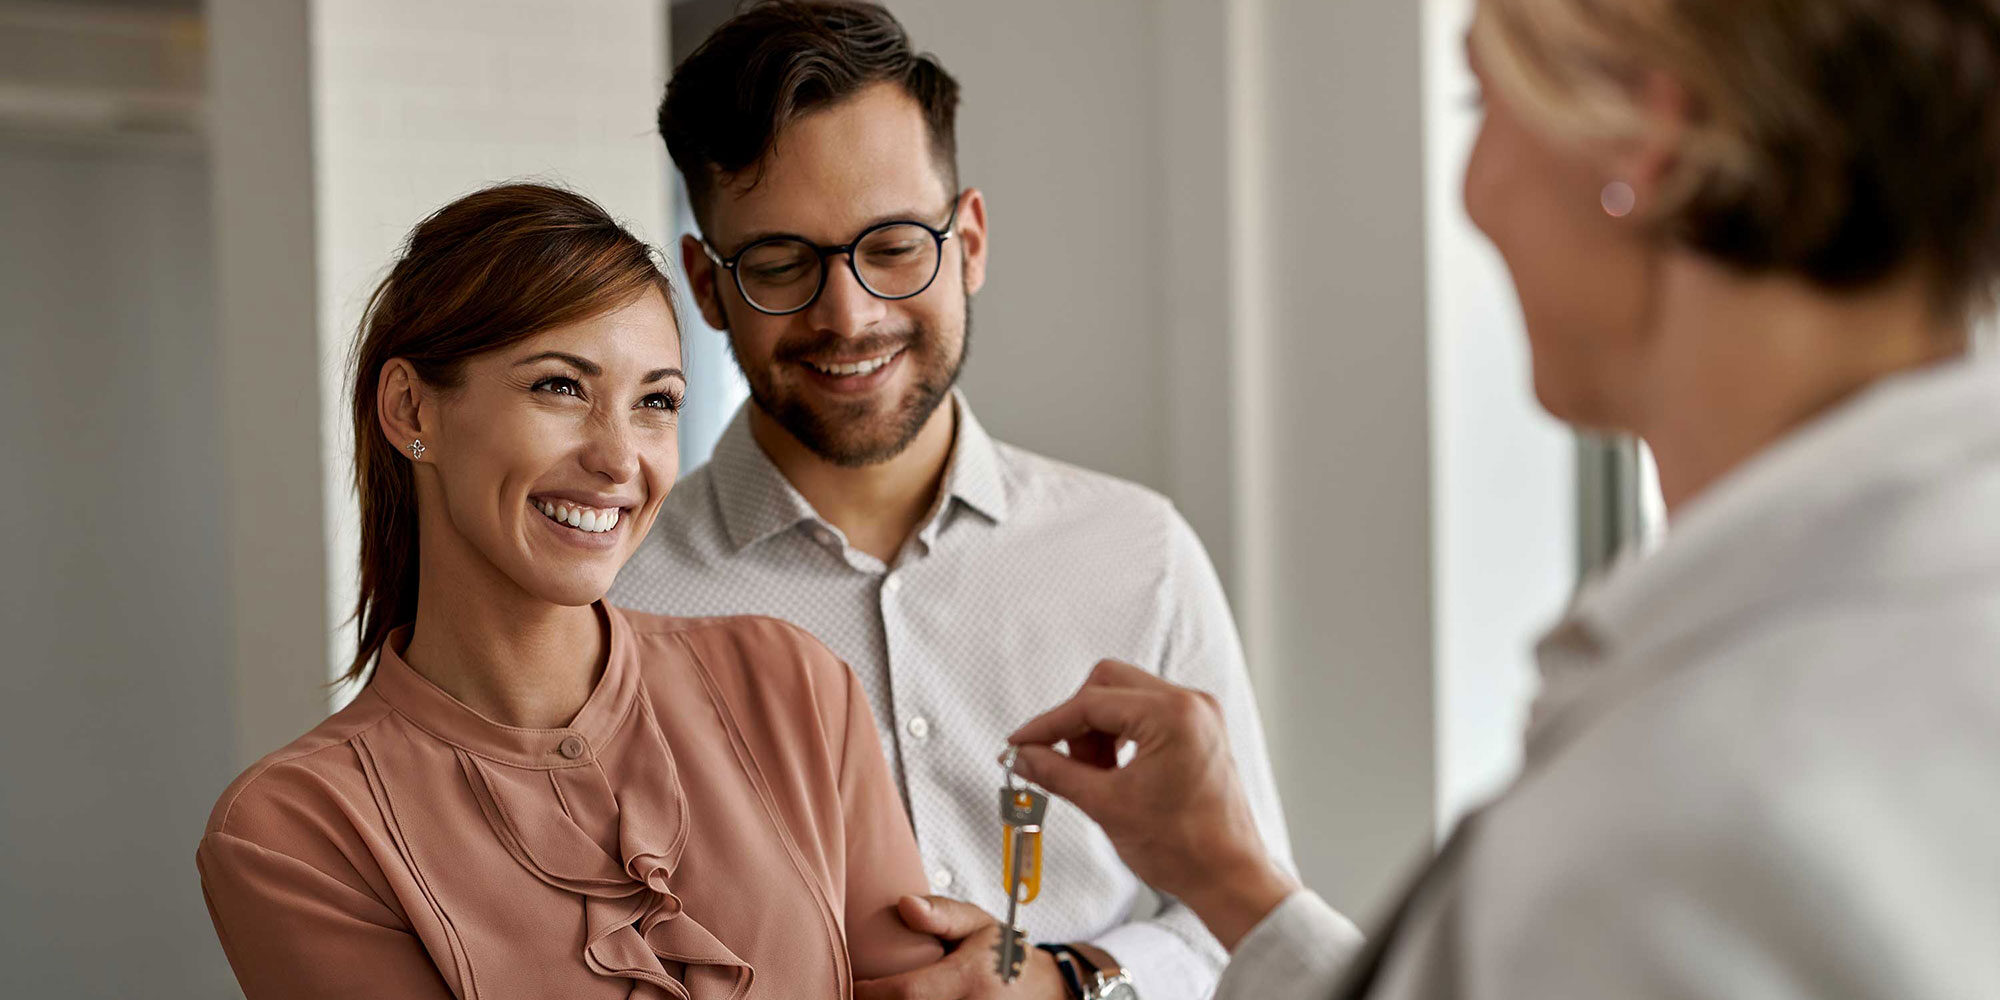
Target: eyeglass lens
x=893, y=262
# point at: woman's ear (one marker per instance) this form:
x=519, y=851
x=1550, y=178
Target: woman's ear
x=401, y=407
x=1647, y=161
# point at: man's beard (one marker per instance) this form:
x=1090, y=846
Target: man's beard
x=852, y=435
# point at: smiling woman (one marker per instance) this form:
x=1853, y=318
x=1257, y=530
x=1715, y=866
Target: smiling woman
x=441, y=324
x=538, y=793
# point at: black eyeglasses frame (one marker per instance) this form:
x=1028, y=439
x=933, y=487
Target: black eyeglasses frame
x=940, y=236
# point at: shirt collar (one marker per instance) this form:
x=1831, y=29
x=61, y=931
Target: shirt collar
x=1777, y=521
x=974, y=475
x=436, y=712
x=758, y=502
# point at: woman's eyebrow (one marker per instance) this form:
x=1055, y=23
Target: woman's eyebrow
x=583, y=365
x=591, y=368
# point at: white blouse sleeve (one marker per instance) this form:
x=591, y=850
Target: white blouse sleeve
x=1297, y=952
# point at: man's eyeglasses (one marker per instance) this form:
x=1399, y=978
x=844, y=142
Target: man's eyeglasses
x=781, y=275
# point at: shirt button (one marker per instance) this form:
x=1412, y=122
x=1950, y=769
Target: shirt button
x=571, y=747
x=919, y=728
x=941, y=880
x=892, y=584
x=824, y=535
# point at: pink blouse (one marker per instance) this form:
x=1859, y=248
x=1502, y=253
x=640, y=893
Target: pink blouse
x=717, y=821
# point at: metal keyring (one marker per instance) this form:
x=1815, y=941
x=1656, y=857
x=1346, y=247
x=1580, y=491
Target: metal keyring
x=1007, y=761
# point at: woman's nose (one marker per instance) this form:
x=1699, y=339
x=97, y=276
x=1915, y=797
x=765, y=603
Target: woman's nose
x=610, y=452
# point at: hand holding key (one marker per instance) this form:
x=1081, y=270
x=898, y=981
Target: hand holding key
x=1176, y=813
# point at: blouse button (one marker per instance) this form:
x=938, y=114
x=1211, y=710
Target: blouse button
x=571, y=747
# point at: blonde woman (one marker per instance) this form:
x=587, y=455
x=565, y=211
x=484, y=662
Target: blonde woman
x=1765, y=758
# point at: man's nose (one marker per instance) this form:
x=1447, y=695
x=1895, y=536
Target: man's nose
x=844, y=306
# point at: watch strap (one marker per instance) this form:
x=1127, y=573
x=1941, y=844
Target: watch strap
x=1077, y=971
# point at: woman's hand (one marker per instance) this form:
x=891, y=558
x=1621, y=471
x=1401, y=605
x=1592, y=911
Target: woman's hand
x=966, y=972
x=1176, y=813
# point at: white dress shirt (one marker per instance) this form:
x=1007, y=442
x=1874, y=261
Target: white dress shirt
x=1765, y=762
x=1026, y=572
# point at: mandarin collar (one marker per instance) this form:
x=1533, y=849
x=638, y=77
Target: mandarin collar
x=1779, y=517
x=436, y=712
x=1764, y=530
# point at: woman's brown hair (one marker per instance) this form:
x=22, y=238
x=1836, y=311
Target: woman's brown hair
x=484, y=272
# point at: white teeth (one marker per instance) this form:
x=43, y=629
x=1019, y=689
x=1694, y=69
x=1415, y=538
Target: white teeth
x=868, y=367
x=581, y=518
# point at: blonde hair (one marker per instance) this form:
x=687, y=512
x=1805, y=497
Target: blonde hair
x=1843, y=140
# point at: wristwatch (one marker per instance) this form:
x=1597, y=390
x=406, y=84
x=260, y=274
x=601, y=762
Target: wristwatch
x=1085, y=980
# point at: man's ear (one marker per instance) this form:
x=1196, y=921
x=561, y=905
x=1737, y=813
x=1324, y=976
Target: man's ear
x=971, y=226
x=401, y=408
x=702, y=276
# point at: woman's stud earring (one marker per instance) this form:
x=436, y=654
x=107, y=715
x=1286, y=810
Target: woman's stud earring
x=417, y=450
x=1618, y=199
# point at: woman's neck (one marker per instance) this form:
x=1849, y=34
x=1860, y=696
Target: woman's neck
x=511, y=657
x=1738, y=363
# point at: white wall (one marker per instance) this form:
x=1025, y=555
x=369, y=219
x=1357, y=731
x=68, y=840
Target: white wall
x=1504, y=504
x=116, y=721
x=1057, y=127
x=267, y=292
x=1346, y=507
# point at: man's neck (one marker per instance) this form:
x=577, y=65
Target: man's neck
x=876, y=506
x=514, y=658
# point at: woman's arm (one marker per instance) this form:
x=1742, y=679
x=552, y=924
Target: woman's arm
x=292, y=931
x=882, y=860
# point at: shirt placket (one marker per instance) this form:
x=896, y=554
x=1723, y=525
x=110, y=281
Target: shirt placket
x=916, y=716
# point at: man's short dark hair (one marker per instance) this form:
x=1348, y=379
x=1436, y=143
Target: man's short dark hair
x=780, y=60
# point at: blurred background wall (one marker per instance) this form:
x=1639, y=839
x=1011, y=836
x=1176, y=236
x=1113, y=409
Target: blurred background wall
x=116, y=715
x=1229, y=263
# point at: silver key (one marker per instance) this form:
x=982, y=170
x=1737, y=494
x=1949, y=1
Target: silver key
x=1021, y=808
x=1012, y=948
x=1015, y=814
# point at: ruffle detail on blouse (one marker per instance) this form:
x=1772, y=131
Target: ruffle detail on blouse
x=618, y=850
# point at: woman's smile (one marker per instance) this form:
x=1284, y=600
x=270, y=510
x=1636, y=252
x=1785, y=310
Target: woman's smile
x=591, y=526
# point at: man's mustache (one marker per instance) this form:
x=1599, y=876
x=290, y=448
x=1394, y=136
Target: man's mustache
x=873, y=345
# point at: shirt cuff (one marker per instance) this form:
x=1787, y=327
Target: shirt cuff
x=1297, y=952
x=1163, y=964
